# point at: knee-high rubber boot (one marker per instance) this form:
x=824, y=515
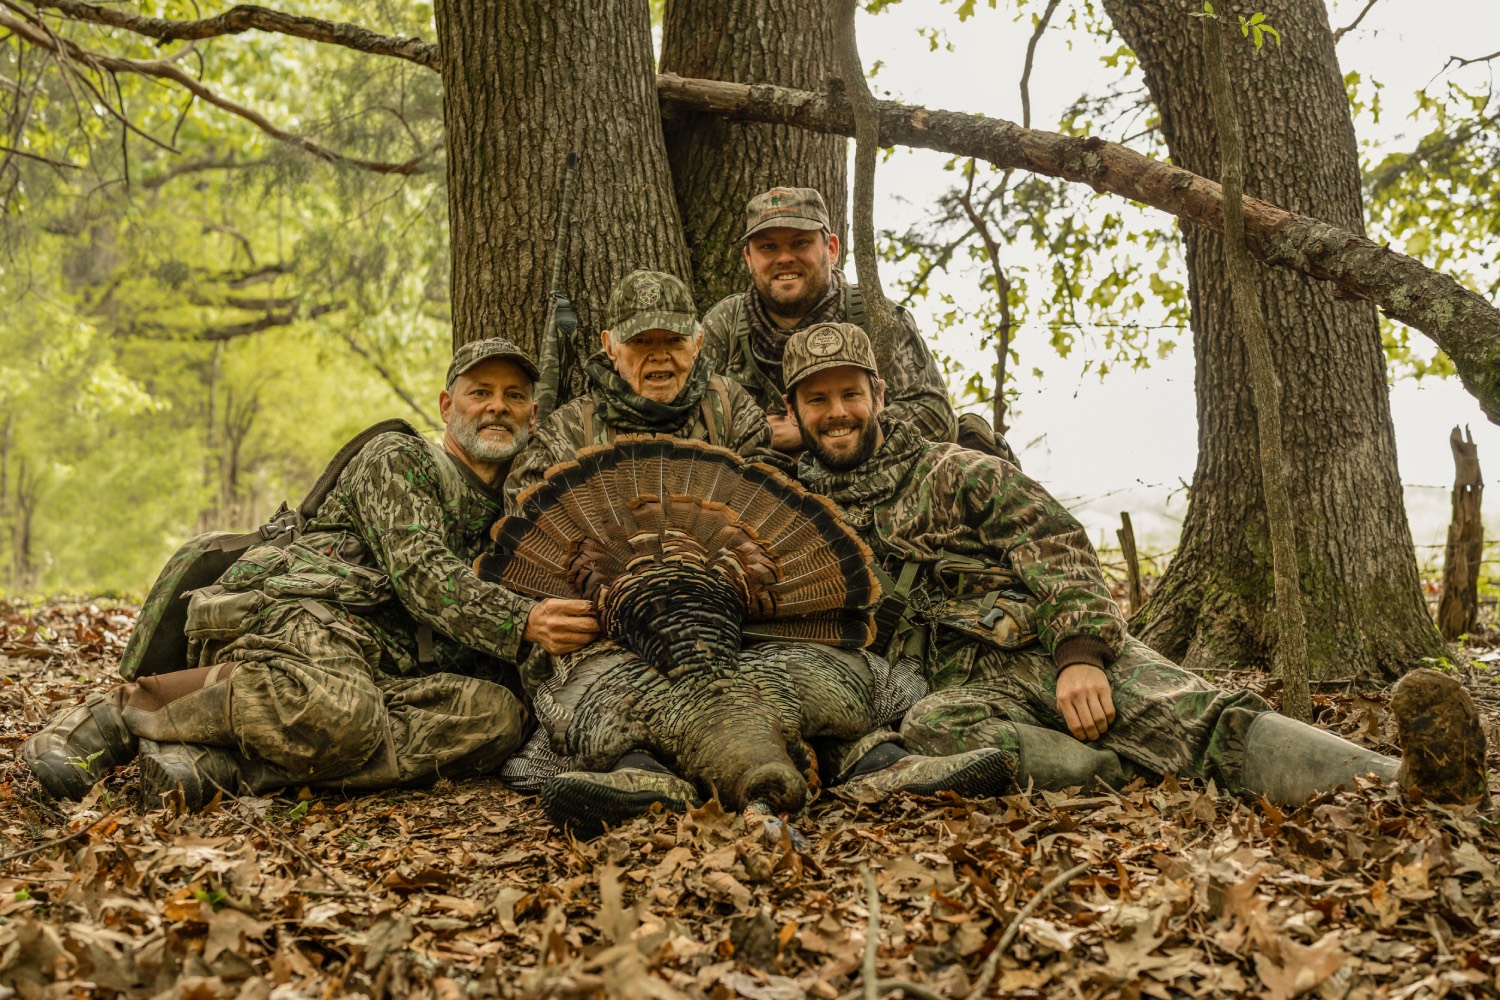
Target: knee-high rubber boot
x=1287, y=761
x=1442, y=743
x=200, y=772
x=77, y=747
x=185, y=706
x=1054, y=760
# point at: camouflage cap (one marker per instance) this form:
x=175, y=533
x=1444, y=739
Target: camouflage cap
x=826, y=345
x=475, y=351
x=794, y=208
x=650, y=300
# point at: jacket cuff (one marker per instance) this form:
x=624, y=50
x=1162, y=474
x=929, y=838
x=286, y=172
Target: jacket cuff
x=1088, y=649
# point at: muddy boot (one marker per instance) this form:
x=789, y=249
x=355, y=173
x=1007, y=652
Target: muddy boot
x=185, y=706
x=200, y=773
x=1287, y=761
x=80, y=745
x=888, y=769
x=1053, y=760
x=587, y=801
x=1442, y=743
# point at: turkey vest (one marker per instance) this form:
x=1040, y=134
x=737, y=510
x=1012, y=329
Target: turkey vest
x=713, y=407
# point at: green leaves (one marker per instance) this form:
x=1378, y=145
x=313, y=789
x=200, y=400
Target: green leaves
x=1256, y=29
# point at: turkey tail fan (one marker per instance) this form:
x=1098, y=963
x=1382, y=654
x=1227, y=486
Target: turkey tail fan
x=619, y=509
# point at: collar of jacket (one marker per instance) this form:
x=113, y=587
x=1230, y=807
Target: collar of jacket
x=879, y=479
x=629, y=413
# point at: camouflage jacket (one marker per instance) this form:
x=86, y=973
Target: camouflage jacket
x=983, y=536
x=915, y=392
x=394, y=545
x=726, y=416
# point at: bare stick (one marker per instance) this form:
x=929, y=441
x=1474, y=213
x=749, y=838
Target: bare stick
x=992, y=964
x=1126, y=535
x=872, y=933
x=1355, y=23
x=5, y=859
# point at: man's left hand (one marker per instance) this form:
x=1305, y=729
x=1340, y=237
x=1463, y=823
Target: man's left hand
x=1084, y=700
x=785, y=435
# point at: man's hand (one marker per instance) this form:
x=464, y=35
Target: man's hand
x=561, y=626
x=1084, y=700
x=785, y=435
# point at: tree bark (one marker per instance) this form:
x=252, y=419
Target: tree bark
x=1461, y=322
x=718, y=165
x=523, y=84
x=1213, y=607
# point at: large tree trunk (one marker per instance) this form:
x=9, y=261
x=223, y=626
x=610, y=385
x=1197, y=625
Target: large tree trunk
x=1213, y=608
x=523, y=84
x=718, y=165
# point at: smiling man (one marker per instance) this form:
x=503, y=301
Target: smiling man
x=363, y=654
x=790, y=253
x=1020, y=640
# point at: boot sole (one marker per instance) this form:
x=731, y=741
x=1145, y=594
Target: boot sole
x=986, y=777
x=586, y=807
x=1442, y=740
x=158, y=781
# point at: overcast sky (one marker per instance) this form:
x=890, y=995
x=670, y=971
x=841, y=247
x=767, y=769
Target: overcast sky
x=1129, y=442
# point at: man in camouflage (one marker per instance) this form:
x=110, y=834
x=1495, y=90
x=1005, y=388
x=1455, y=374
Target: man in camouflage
x=650, y=378
x=790, y=252
x=1004, y=605
x=361, y=655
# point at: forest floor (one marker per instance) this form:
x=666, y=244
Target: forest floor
x=465, y=890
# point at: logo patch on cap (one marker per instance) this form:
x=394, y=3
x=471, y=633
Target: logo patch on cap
x=824, y=343
x=648, y=294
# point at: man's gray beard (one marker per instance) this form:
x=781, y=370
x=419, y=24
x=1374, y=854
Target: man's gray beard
x=467, y=433
x=839, y=463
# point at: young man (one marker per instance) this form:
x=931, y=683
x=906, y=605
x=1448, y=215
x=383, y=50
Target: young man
x=1026, y=642
x=790, y=253
x=350, y=657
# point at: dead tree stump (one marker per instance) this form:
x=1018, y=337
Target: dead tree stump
x=1458, y=610
x=1126, y=535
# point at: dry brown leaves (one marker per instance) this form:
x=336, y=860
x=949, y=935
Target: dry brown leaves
x=464, y=891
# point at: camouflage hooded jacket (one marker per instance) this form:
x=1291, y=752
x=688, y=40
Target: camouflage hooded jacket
x=594, y=419
x=915, y=393
x=958, y=513
x=394, y=545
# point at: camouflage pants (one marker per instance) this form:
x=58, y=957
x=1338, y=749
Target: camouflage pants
x=311, y=700
x=846, y=733
x=1167, y=720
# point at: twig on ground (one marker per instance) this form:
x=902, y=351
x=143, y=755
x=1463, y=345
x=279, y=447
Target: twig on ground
x=872, y=933
x=5, y=859
x=992, y=964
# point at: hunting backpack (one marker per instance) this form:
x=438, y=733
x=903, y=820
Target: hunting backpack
x=159, y=645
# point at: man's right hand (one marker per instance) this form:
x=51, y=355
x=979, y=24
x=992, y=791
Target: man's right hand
x=785, y=435
x=561, y=625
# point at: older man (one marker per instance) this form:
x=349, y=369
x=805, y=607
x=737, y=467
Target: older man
x=790, y=252
x=349, y=658
x=1024, y=640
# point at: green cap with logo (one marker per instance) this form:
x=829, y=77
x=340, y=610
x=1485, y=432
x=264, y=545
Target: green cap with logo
x=475, y=351
x=793, y=208
x=826, y=345
x=650, y=300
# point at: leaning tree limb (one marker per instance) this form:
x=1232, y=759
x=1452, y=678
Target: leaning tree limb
x=1460, y=321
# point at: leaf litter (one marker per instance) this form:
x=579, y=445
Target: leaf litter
x=464, y=890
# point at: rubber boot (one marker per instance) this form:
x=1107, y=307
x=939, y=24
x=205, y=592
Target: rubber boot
x=1442, y=743
x=185, y=706
x=981, y=772
x=1054, y=760
x=586, y=801
x=1287, y=761
x=199, y=773
x=80, y=745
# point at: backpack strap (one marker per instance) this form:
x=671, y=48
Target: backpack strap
x=340, y=461
x=715, y=408
x=595, y=431
x=854, y=307
x=742, y=345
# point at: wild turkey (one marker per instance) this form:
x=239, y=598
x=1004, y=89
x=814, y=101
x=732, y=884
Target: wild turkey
x=686, y=552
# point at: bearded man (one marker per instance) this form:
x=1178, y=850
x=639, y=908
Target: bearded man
x=365, y=654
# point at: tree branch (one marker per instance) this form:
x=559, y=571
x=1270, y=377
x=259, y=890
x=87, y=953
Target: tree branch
x=390, y=380
x=1354, y=23
x=248, y=18
x=1461, y=62
x=1458, y=320
x=197, y=166
x=266, y=322
x=162, y=69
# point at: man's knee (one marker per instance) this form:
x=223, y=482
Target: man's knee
x=285, y=714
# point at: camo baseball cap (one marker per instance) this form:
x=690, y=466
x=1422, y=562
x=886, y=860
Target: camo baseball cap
x=826, y=345
x=794, y=208
x=650, y=300
x=475, y=351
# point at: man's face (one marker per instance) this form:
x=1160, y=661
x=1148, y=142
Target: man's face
x=655, y=362
x=791, y=268
x=835, y=410
x=489, y=411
